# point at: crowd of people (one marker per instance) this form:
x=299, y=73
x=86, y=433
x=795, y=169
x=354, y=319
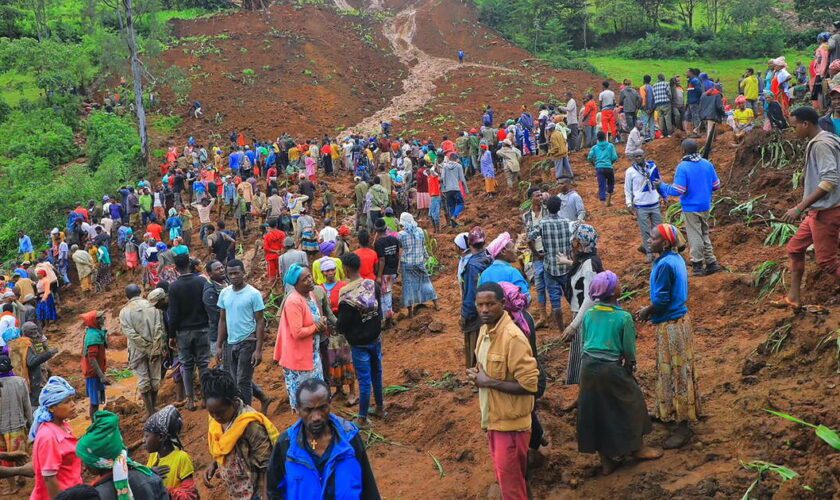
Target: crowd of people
x=192, y=302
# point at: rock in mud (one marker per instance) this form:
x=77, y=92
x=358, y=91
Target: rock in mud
x=752, y=366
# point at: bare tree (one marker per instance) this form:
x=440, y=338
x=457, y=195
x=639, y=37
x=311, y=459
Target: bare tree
x=125, y=15
x=686, y=9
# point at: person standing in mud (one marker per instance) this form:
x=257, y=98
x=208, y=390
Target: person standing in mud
x=506, y=375
x=188, y=324
x=820, y=203
x=555, y=233
x=142, y=324
x=695, y=182
x=474, y=265
x=677, y=398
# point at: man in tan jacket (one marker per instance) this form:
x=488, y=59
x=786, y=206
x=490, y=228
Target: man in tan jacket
x=558, y=151
x=142, y=324
x=506, y=375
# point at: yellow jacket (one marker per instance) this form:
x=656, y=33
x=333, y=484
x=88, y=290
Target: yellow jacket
x=557, y=146
x=749, y=86
x=508, y=358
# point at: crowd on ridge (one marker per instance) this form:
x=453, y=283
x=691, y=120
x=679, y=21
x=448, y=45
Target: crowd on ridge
x=339, y=277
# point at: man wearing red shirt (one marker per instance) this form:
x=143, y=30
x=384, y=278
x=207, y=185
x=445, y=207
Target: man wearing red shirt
x=588, y=118
x=367, y=255
x=433, y=181
x=155, y=230
x=447, y=146
x=83, y=212
x=272, y=247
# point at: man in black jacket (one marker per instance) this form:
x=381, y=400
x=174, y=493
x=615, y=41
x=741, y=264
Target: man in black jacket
x=188, y=324
x=360, y=321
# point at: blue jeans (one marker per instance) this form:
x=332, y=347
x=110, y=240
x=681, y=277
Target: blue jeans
x=606, y=182
x=367, y=360
x=454, y=203
x=554, y=286
x=539, y=281
x=648, y=124
x=562, y=168
x=434, y=210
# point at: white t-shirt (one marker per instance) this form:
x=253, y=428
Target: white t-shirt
x=607, y=99
x=329, y=233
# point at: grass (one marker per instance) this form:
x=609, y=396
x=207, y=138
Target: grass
x=15, y=87
x=165, y=125
x=729, y=71
x=191, y=13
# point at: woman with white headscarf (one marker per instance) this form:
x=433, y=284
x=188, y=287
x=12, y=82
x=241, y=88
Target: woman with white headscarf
x=417, y=285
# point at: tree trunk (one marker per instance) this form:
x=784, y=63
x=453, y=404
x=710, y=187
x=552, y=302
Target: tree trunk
x=137, y=75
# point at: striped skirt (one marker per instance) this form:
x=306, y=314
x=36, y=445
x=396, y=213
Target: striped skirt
x=575, y=351
x=424, y=200
x=677, y=399
x=417, y=286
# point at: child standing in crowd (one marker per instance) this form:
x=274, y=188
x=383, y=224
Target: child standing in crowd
x=94, y=362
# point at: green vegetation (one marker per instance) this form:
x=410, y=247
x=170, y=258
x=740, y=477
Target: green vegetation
x=729, y=71
x=165, y=125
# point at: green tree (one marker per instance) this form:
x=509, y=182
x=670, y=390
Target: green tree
x=817, y=11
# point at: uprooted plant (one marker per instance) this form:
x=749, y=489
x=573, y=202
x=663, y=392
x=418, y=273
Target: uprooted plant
x=763, y=468
x=767, y=277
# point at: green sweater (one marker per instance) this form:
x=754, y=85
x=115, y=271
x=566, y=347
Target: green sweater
x=609, y=333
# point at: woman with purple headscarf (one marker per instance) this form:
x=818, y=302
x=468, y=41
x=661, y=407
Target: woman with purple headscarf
x=326, y=248
x=612, y=416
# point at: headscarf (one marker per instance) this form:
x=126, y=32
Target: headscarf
x=461, y=241
x=603, y=285
x=94, y=335
x=834, y=67
x=740, y=100
x=408, y=223
x=779, y=61
x=102, y=447
x=672, y=235
x=173, y=212
x=327, y=264
x=588, y=238
x=515, y=302
x=161, y=246
x=180, y=250
x=476, y=236
x=166, y=423
x=344, y=231
x=498, y=245
x=327, y=247
x=156, y=296
x=55, y=392
x=293, y=275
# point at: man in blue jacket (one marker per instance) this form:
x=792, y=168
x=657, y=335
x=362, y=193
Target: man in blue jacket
x=478, y=261
x=321, y=455
x=694, y=182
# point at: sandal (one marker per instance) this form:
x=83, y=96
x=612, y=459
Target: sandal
x=785, y=303
x=815, y=309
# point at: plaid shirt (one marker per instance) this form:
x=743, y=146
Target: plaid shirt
x=661, y=93
x=531, y=221
x=556, y=236
x=413, y=248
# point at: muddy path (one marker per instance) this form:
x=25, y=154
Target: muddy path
x=419, y=86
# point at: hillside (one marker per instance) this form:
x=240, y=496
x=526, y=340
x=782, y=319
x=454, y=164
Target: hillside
x=317, y=71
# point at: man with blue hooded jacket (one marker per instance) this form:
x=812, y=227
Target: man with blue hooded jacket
x=321, y=455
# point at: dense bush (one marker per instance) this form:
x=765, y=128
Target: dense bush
x=654, y=45
x=109, y=134
x=5, y=110
x=39, y=133
x=37, y=194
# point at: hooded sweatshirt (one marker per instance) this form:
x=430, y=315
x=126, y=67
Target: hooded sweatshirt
x=603, y=155
x=711, y=106
x=452, y=174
